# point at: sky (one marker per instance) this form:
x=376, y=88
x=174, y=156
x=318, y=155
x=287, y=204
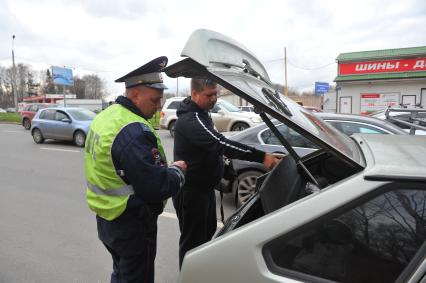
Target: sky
x=111, y=38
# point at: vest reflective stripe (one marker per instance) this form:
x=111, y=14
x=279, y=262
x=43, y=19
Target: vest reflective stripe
x=126, y=190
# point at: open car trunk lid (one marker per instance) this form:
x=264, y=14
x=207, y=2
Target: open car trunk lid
x=222, y=59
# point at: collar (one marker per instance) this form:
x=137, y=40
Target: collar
x=128, y=104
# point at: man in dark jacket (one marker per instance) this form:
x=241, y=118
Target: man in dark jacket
x=202, y=147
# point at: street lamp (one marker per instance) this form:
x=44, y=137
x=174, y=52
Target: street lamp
x=15, y=97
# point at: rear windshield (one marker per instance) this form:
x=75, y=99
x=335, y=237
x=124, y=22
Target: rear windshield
x=292, y=112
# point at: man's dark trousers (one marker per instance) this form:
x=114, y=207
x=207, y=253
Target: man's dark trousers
x=196, y=211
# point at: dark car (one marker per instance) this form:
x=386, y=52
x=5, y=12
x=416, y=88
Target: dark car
x=243, y=183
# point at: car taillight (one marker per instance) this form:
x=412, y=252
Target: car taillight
x=162, y=114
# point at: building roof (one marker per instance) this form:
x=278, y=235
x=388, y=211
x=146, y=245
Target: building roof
x=380, y=76
x=382, y=54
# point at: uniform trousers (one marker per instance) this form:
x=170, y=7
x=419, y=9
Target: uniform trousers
x=131, y=240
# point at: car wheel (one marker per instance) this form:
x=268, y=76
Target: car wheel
x=239, y=126
x=37, y=136
x=245, y=186
x=172, y=128
x=79, y=138
x=26, y=123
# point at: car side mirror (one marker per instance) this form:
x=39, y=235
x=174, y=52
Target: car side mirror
x=66, y=120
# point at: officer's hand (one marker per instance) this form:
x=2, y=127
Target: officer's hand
x=271, y=160
x=181, y=164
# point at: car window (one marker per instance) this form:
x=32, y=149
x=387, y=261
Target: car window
x=33, y=108
x=372, y=242
x=82, y=114
x=294, y=138
x=60, y=115
x=228, y=106
x=350, y=128
x=48, y=114
x=173, y=105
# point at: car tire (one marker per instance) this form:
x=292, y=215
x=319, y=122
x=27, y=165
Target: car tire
x=239, y=126
x=26, y=123
x=79, y=138
x=172, y=128
x=37, y=136
x=245, y=186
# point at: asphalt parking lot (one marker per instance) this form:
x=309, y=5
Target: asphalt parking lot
x=47, y=233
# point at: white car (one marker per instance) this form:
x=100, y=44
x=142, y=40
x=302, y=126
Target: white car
x=354, y=210
x=226, y=116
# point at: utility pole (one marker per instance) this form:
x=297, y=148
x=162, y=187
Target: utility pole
x=15, y=96
x=285, y=72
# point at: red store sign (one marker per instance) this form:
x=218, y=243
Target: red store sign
x=384, y=66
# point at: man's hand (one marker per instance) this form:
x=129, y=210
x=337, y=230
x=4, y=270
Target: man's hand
x=181, y=164
x=271, y=160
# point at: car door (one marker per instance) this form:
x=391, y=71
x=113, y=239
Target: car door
x=63, y=126
x=47, y=123
x=270, y=142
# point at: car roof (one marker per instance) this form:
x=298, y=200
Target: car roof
x=394, y=157
x=64, y=108
x=364, y=119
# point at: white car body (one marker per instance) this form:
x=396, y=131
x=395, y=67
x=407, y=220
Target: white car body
x=354, y=210
x=226, y=117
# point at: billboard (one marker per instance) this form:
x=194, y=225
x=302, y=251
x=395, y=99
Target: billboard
x=321, y=88
x=62, y=76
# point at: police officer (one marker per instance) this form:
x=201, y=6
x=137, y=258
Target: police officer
x=127, y=175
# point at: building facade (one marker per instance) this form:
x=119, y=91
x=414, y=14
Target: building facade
x=372, y=80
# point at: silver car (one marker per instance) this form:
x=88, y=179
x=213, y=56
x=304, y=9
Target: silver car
x=354, y=210
x=62, y=124
x=225, y=116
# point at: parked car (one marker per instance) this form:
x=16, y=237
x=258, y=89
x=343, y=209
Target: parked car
x=2, y=110
x=11, y=109
x=402, y=117
x=29, y=111
x=225, y=116
x=168, y=114
x=351, y=211
x=313, y=109
x=242, y=184
x=246, y=108
x=62, y=124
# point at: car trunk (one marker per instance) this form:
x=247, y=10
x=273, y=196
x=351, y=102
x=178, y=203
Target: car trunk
x=287, y=183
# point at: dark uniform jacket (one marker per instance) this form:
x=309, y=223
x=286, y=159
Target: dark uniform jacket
x=202, y=147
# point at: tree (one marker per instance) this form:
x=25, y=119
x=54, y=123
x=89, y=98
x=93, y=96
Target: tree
x=94, y=87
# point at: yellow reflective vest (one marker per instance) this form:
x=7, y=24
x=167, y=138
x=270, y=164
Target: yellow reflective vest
x=107, y=194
